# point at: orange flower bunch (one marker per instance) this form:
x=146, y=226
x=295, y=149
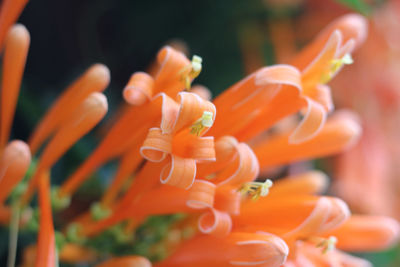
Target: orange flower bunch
x=188, y=154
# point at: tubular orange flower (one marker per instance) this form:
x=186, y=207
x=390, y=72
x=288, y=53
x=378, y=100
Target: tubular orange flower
x=9, y=13
x=95, y=79
x=15, y=53
x=46, y=253
x=14, y=163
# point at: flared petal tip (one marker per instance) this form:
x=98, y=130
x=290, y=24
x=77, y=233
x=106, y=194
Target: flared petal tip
x=100, y=72
x=267, y=250
x=357, y=27
x=390, y=231
x=19, y=32
x=18, y=150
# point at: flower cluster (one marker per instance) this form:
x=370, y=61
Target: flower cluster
x=180, y=152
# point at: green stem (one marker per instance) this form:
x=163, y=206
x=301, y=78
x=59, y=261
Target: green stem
x=13, y=239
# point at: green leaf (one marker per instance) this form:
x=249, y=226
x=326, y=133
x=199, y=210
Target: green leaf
x=357, y=5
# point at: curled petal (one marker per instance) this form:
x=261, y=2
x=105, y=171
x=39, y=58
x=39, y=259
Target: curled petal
x=169, y=76
x=227, y=199
x=225, y=152
x=126, y=261
x=322, y=94
x=245, y=168
x=328, y=213
x=201, y=148
x=139, y=89
x=313, y=121
x=201, y=195
x=156, y=146
x=240, y=249
x=191, y=109
x=169, y=112
x=320, y=66
x=341, y=131
x=351, y=27
x=215, y=222
x=180, y=172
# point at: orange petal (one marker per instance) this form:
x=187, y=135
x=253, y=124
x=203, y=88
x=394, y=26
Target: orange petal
x=191, y=109
x=9, y=13
x=285, y=103
x=227, y=199
x=312, y=123
x=201, y=195
x=329, y=213
x=195, y=147
x=15, y=53
x=179, y=172
x=225, y=152
x=245, y=168
x=243, y=103
x=169, y=113
x=202, y=91
x=130, y=130
x=320, y=66
x=128, y=164
x=367, y=233
x=14, y=163
x=351, y=26
x=169, y=76
x=156, y=146
x=85, y=117
x=215, y=223
x=46, y=241
x=322, y=95
x=239, y=249
x=95, y=79
x=340, y=132
x=306, y=183
x=139, y=89
x=126, y=261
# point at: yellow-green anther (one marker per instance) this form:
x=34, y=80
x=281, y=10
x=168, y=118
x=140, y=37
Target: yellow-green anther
x=327, y=244
x=99, y=212
x=73, y=234
x=336, y=64
x=196, y=64
x=58, y=202
x=206, y=120
x=120, y=235
x=255, y=190
x=60, y=240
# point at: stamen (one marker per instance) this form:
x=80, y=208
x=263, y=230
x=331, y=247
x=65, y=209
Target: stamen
x=59, y=202
x=206, y=120
x=326, y=244
x=336, y=64
x=74, y=235
x=255, y=190
x=190, y=72
x=99, y=212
